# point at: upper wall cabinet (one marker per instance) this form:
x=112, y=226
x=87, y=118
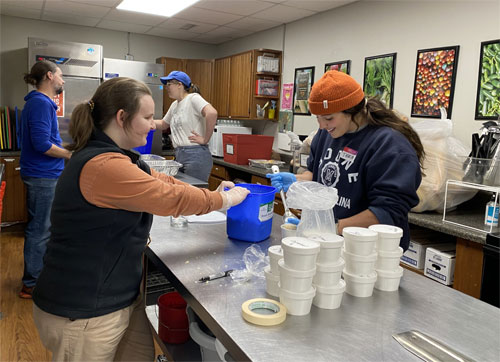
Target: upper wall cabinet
x=199, y=70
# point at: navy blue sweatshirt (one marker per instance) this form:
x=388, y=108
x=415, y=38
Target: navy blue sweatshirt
x=375, y=168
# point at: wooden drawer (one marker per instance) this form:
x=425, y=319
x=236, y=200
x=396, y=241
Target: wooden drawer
x=214, y=182
x=260, y=180
x=278, y=206
x=219, y=171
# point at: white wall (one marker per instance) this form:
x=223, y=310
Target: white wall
x=267, y=39
x=369, y=28
x=14, y=49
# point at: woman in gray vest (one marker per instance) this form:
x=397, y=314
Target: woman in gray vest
x=88, y=305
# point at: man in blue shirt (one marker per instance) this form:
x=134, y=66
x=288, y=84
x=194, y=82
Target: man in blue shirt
x=42, y=161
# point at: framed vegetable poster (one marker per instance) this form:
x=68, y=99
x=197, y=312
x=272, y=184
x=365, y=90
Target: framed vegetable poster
x=342, y=66
x=378, y=80
x=434, y=85
x=488, y=84
x=303, y=81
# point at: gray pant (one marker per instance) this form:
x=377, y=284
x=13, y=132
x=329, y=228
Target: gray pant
x=196, y=161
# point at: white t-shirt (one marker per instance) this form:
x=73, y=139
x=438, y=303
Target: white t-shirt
x=185, y=116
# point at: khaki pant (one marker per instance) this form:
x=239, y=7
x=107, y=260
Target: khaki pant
x=124, y=335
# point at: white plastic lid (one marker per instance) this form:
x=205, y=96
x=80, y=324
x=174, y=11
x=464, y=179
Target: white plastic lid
x=337, y=289
x=328, y=241
x=295, y=273
x=387, y=231
x=391, y=254
x=331, y=268
x=368, y=278
x=275, y=250
x=359, y=234
x=300, y=245
x=390, y=274
x=295, y=295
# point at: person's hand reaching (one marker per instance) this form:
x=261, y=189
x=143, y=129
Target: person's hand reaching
x=234, y=196
x=281, y=180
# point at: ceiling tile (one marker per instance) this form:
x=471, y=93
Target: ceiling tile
x=127, y=27
x=176, y=24
x=125, y=16
x=29, y=4
x=207, y=16
x=106, y=3
x=173, y=34
x=77, y=9
x=229, y=32
x=317, y=5
x=20, y=12
x=238, y=7
x=205, y=38
x=69, y=19
x=253, y=24
x=283, y=14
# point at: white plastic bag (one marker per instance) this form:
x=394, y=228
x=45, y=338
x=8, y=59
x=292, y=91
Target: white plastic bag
x=444, y=158
x=255, y=262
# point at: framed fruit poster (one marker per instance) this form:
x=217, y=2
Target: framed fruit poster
x=488, y=84
x=434, y=85
x=342, y=66
x=378, y=80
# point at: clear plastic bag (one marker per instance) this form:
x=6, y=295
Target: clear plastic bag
x=255, y=262
x=444, y=158
x=316, y=202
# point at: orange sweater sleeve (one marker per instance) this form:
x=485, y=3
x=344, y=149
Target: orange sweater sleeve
x=110, y=180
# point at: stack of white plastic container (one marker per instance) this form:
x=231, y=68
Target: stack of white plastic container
x=329, y=286
x=389, y=272
x=360, y=258
x=296, y=272
x=272, y=271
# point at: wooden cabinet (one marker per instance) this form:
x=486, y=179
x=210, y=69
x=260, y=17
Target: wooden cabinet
x=222, y=73
x=199, y=70
x=217, y=175
x=14, y=200
x=240, y=86
x=272, y=76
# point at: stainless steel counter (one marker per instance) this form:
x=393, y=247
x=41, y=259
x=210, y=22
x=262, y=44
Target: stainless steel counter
x=181, y=176
x=360, y=330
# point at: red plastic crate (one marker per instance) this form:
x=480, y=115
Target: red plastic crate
x=238, y=148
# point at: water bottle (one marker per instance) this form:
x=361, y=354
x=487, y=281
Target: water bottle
x=491, y=214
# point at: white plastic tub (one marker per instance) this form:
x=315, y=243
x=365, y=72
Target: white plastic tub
x=388, y=260
x=359, y=264
x=328, y=275
x=388, y=281
x=272, y=282
x=300, y=253
x=329, y=298
x=389, y=236
x=297, y=281
x=359, y=241
x=359, y=286
x=275, y=253
x=330, y=246
x=288, y=229
x=297, y=303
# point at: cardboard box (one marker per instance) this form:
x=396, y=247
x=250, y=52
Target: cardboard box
x=265, y=87
x=415, y=255
x=440, y=263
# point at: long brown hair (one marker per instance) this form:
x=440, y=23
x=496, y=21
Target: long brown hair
x=375, y=112
x=39, y=72
x=97, y=113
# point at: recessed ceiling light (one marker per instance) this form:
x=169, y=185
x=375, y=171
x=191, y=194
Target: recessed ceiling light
x=156, y=7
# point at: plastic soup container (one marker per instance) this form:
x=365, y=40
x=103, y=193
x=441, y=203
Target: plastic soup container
x=359, y=264
x=297, y=281
x=297, y=303
x=359, y=241
x=330, y=246
x=275, y=253
x=328, y=275
x=388, y=280
x=329, y=298
x=388, y=260
x=272, y=282
x=299, y=253
x=359, y=286
x=389, y=236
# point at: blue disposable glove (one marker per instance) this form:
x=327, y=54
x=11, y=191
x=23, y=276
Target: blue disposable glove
x=292, y=220
x=282, y=180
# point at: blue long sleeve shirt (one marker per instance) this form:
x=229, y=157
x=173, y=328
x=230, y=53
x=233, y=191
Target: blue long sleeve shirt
x=39, y=131
x=375, y=168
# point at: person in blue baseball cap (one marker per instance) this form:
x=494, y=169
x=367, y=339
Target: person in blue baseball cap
x=191, y=120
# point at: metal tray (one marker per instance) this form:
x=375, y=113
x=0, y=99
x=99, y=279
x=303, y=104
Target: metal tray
x=267, y=164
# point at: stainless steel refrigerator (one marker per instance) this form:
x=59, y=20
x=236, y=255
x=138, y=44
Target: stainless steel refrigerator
x=81, y=65
x=150, y=74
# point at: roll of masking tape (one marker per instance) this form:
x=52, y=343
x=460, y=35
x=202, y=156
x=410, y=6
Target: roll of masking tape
x=263, y=312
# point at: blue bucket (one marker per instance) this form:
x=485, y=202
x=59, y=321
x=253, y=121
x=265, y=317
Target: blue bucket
x=146, y=149
x=252, y=220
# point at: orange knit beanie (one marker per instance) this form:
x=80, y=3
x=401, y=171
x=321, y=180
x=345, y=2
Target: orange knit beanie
x=334, y=92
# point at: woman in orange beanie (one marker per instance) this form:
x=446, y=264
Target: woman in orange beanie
x=366, y=151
